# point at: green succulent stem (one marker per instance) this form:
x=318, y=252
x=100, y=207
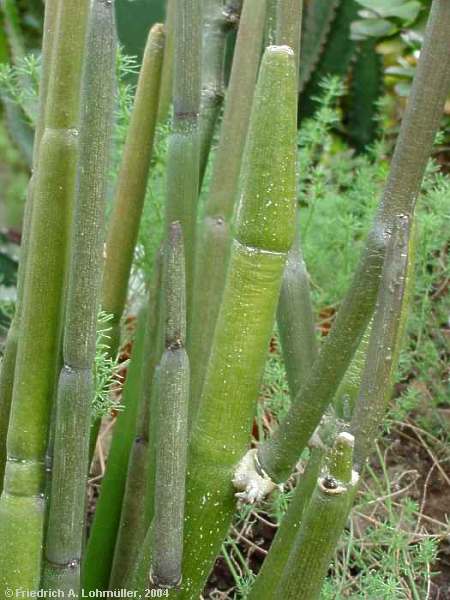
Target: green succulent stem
x=64, y=537
x=10, y=352
x=183, y=162
x=214, y=244
x=132, y=184
x=22, y=504
x=135, y=516
x=295, y=313
x=420, y=123
x=322, y=524
x=273, y=565
x=165, y=94
x=218, y=18
x=289, y=25
x=384, y=344
x=172, y=413
x=102, y=540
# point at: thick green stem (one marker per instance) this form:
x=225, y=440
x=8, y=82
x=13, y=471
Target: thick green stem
x=165, y=94
x=64, y=538
x=135, y=517
x=218, y=18
x=214, y=247
x=171, y=447
x=322, y=525
x=9, y=357
x=22, y=505
x=184, y=142
x=383, y=348
x=100, y=548
x=264, y=234
x=124, y=223
x=420, y=123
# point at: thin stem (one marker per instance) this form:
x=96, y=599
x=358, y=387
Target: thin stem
x=165, y=94
x=321, y=527
x=419, y=126
x=383, y=348
x=64, y=538
x=124, y=223
x=289, y=15
x=184, y=150
x=295, y=313
x=218, y=18
x=22, y=500
x=268, y=577
x=135, y=517
x=102, y=540
x=213, y=253
x=171, y=447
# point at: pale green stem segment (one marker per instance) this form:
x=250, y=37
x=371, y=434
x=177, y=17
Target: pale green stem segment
x=264, y=234
x=135, y=518
x=64, y=537
x=271, y=22
x=165, y=94
x=420, y=124
x=295, y=320
x=214, y=245
x=348, y=390
x=124, y=222
x=295, y=313
x=22, y=505
x=218, y=18
x=172, y=439
x=289, y=15
x=9, y=356
x=273, y=565
x=102, y=540
x=183, y=162
x=384, y=344
x=321, y=527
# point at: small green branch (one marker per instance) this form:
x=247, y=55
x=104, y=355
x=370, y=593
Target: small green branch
x=132, y=183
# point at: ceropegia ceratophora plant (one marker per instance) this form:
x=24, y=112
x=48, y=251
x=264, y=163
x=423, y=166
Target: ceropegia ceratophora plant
x=180, y=459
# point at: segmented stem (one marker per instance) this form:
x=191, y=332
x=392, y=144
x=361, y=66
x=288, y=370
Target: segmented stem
x=64, y=539
x=10, y=352
x=22, y=504
x=171, y=446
